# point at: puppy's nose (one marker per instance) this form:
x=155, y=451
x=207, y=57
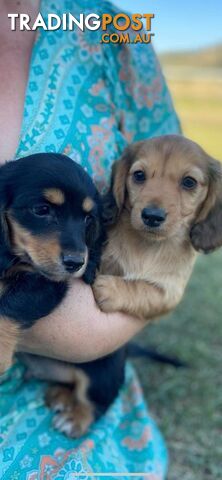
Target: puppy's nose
x=153, y=216
x=73, y=263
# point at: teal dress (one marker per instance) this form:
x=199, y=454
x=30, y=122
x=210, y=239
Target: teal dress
x=89, y=101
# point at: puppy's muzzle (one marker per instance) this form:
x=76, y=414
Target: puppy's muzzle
x=153, y=217
x=73, y=262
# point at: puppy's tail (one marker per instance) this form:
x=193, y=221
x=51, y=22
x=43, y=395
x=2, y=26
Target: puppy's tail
x=134, y=350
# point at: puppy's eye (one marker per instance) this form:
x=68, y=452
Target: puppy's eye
x=139, y=176
x=188, y=183
x=41, y=210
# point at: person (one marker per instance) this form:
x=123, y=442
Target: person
x=64, y=91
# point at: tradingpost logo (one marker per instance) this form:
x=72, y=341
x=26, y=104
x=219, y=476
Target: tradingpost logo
x=123, y=22
x=125, y=28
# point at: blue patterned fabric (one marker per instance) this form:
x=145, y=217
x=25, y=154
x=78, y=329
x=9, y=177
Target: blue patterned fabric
x=86, y=100
x=124, y=440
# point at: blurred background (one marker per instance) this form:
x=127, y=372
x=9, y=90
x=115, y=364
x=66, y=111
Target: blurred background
x=187, y=402
x=188, y=41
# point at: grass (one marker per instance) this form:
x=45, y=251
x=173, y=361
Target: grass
x=199, y=105
x=187, y=403
x=208, y=57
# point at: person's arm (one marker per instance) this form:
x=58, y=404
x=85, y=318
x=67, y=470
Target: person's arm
x=77, y=331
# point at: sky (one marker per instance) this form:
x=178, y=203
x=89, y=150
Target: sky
x=181, y=24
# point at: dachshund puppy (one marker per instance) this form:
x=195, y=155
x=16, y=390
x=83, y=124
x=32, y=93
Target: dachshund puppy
x=167, y=197
x=164, y=205
x=50, y=234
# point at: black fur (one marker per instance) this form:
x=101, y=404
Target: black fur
x=29, y=296
x=106, y=377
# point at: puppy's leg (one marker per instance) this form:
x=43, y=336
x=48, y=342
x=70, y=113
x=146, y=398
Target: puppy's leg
x=134, y=297
x=74, y=411
x=29, y=297
x=9, y=334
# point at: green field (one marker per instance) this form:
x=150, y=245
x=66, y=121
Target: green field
x=195, y=81
x=187, y=403
x=199, y=105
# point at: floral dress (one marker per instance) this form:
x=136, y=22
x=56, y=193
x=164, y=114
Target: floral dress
x=87, y=100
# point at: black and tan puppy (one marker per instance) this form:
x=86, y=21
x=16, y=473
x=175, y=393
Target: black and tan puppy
x=50, y=234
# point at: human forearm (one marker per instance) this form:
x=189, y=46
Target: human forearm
x=78, y=331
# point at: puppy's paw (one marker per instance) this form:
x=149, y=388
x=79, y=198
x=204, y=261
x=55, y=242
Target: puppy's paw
x=72, y=418
x=106, y=293
x=73, y=422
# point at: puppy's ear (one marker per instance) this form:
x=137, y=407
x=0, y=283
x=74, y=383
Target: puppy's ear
x=6, y=257
x=206, y=233
x=94, y=229
x=114, y=199
x=119, y=176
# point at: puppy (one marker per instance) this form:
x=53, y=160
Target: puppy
x=167, y=197
x=50, y=234
x=164, y=205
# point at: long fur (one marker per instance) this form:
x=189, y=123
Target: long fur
x=144, y=271
x=33, y=279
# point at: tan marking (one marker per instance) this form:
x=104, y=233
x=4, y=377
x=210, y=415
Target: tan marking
x=75, y=409
x=9, y=335
x=44, y=251
x=14, y=270
x=88, y=204
x=54, y=195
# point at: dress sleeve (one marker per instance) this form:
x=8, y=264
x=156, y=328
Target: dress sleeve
x=138, y=89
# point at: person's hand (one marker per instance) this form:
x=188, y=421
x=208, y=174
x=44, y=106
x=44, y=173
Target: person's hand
x=77, y=331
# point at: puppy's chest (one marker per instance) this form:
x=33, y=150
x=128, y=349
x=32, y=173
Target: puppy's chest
x=132, y=260
x=166, y=266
